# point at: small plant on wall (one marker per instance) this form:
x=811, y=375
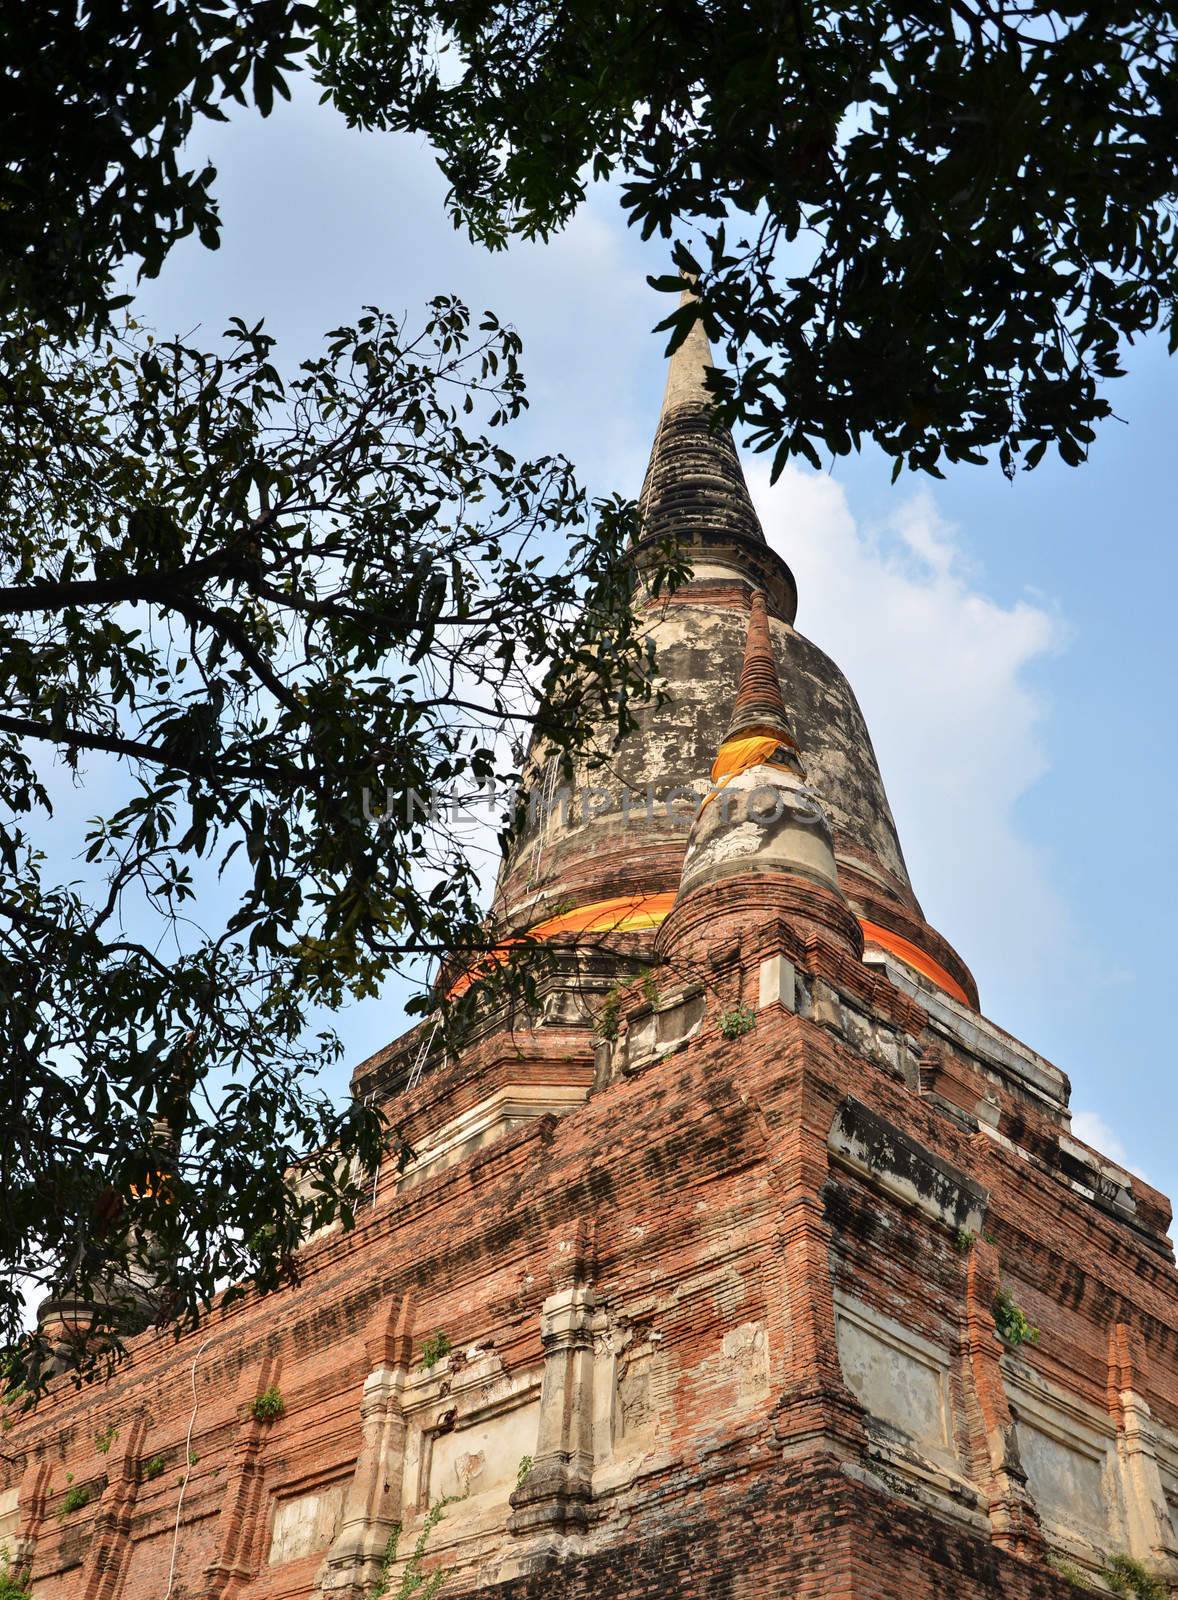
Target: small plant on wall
x=607, y=1021
x=153, y=1468
x=1069, y=1572
x=736, y=1023
x=104, y=1438
x=1011, y=1320
x=1127, y=1576
x=75, y=1499
x=436, y=1348
x=268, y=1406
x=13, y=1585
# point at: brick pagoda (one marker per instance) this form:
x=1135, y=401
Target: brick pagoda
x=708, y=1277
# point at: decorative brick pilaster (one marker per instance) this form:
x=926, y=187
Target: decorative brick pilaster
x=556, y=1493
x=1150, y=1535
x=32, y=1500
x=237, y=1526
x=372, y=1506
x=814, y=1401
x=1014, y=1520
x=110, y=1537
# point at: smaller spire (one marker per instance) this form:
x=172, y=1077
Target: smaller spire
x=759, y=730
x=760, y=704
x=761, y=842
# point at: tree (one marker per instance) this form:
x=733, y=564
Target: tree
x=931, y=225
x=934, y=226
x=255, y=616
x=99, y=99
x=258, y=599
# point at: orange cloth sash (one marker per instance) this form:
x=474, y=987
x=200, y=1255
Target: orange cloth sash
x=625, y=913
x=913, y=956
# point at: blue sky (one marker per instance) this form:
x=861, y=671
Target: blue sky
x=1012, y=645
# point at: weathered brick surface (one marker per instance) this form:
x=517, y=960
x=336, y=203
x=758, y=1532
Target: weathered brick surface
x=704, y=1198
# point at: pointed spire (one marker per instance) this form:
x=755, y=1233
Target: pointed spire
x=687, y=370
x=694, y=485
x=760, y=704
x=761, y=842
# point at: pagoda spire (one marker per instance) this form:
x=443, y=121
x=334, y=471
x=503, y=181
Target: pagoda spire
x=760, y=706
x=694, y=483
x=759, y=728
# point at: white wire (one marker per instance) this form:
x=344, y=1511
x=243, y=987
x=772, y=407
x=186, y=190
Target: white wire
x=547, y=795
x=419, y=1064
x=187, y=1471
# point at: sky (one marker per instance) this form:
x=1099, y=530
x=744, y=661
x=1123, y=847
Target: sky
x=1012, y=645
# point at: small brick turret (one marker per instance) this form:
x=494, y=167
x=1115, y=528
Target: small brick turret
x=761, y=842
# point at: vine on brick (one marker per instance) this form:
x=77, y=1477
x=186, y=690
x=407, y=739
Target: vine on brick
x=413, y=1585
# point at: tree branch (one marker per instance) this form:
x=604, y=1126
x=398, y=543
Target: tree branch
x=45, y=595
x=75, y=738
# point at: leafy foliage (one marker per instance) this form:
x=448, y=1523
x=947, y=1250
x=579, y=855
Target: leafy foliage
x=98, y=102
x=1011, y=1320
x=268, y=1406
x=931, y=225
x=153, y=1468
x=104, y=1438
x=14, y=1390
x=435, y=1348
x=1126, y=1575
x=736, y=1023
x=13, y=1585
x=253, y=617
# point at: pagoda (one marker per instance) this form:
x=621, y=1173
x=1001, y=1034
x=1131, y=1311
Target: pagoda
x=753, y=1262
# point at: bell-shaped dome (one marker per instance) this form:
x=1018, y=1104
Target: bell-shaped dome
x=607, y=849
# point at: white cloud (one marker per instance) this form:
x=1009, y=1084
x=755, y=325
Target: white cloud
x=1091, y=1128
x=942, y=671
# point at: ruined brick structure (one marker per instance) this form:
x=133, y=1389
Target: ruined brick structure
x=718, y=1238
